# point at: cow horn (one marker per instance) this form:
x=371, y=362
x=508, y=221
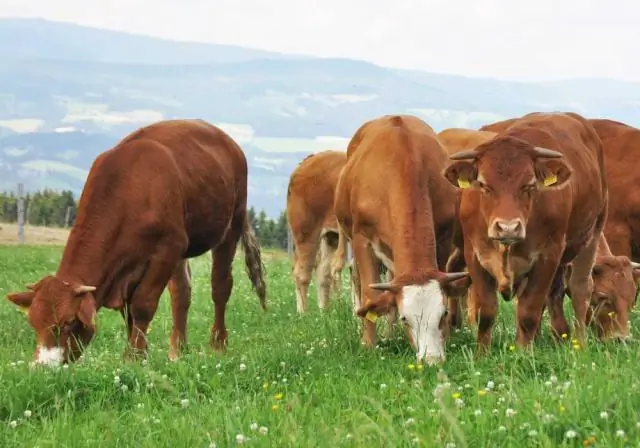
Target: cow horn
x=635, y=265
x=381, y=286
x=546, y=153
x=83, y=288
x=453, y=276
x=464, y=155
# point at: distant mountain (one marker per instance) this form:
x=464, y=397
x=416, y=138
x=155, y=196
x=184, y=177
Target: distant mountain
x=69, y=92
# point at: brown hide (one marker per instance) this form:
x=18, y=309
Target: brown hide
x=313, y=223
x=168, y=191
x=461, y=139
x=395, y=207
x=529, y=257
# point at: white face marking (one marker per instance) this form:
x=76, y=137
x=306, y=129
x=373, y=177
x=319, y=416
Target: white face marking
x=423, y=308
x=51, y=357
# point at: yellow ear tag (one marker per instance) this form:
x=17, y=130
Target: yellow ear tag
x=464, y=183
x=93, y=319
x=550, y=180
x=371, y=316
x=24, y=310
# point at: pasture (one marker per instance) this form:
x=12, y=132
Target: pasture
x=304, y=381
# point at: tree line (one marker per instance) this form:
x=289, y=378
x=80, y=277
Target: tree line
x=51, y=208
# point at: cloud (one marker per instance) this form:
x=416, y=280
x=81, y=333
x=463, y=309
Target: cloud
x=545, y=39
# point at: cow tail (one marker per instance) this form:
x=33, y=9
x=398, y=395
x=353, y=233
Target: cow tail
x=253, y=262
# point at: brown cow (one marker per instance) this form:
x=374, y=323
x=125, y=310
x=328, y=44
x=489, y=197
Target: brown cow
x=615, y=283
x=313, y=224
x=168, y=191
x=461, y=139
x=395, y=207
x=621, y=144
x=534, y=198
x=498, y=126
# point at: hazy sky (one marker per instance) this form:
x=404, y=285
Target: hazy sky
x=512, y=39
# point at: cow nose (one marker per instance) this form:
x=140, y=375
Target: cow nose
x=508, y=231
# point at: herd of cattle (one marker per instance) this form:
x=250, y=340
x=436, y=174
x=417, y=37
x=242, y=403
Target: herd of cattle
x=535, y=207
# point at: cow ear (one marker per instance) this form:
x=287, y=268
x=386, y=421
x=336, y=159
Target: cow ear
x=380, y=305
x=461, y=173
x=87, y=312
x=552, y=173
x=22, y=299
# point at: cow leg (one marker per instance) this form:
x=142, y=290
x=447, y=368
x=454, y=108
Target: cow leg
x=484, y=299
x=180, y=290
x=535, y=295
x=144, y=300
x=456, y=297
x=323, y=270
x=559, y=324
x=354, y=277
x=305, y=255
x=581, y=285
x=368, y=271
x=222, y=283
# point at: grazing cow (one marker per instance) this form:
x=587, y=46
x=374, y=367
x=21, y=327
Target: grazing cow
x=168, y=191
x=615, y=283
x=313, y=224
x=534, y=198
x=395, y=207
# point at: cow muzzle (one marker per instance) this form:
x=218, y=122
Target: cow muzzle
x=507, y=231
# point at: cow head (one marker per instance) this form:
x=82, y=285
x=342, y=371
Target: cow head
x=615, y=285
x=62, y=315
x=422, y=311
x=508, y=172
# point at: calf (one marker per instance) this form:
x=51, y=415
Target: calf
x=534, y=198
x=615, y=283
x=395, y=207
x=167, y=192
x=313, y=224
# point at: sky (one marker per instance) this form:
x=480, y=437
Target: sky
x=506, y=39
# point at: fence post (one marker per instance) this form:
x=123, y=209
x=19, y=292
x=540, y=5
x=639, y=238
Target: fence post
x=67, y=216
x=21, y=213
x=289, y=242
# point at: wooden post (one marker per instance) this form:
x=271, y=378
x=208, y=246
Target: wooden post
x=289, y=241
x=66, y=218
x=21, y=213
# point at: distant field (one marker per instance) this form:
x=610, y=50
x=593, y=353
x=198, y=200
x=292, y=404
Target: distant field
x=33, y=234
x=304, y=381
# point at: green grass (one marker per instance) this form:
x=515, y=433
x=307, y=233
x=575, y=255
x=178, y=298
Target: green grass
x=333, y=392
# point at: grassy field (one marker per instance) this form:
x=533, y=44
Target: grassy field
x=304, y=381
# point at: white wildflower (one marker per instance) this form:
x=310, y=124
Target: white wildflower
x=570, y=434
x=240, y=438
x=13, y=424
x=477, y=412
x=620, y=433
x=410, y=421
x=263, y=430
x=604, y=415
x=491, y=385
x=243, y=367
x=27, y=413
x=253, y=426
x=502, y=428
x=184, y=402
x=509, y=412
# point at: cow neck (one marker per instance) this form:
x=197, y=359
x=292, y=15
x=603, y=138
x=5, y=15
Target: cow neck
x=85, y=257
x=414, y=242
